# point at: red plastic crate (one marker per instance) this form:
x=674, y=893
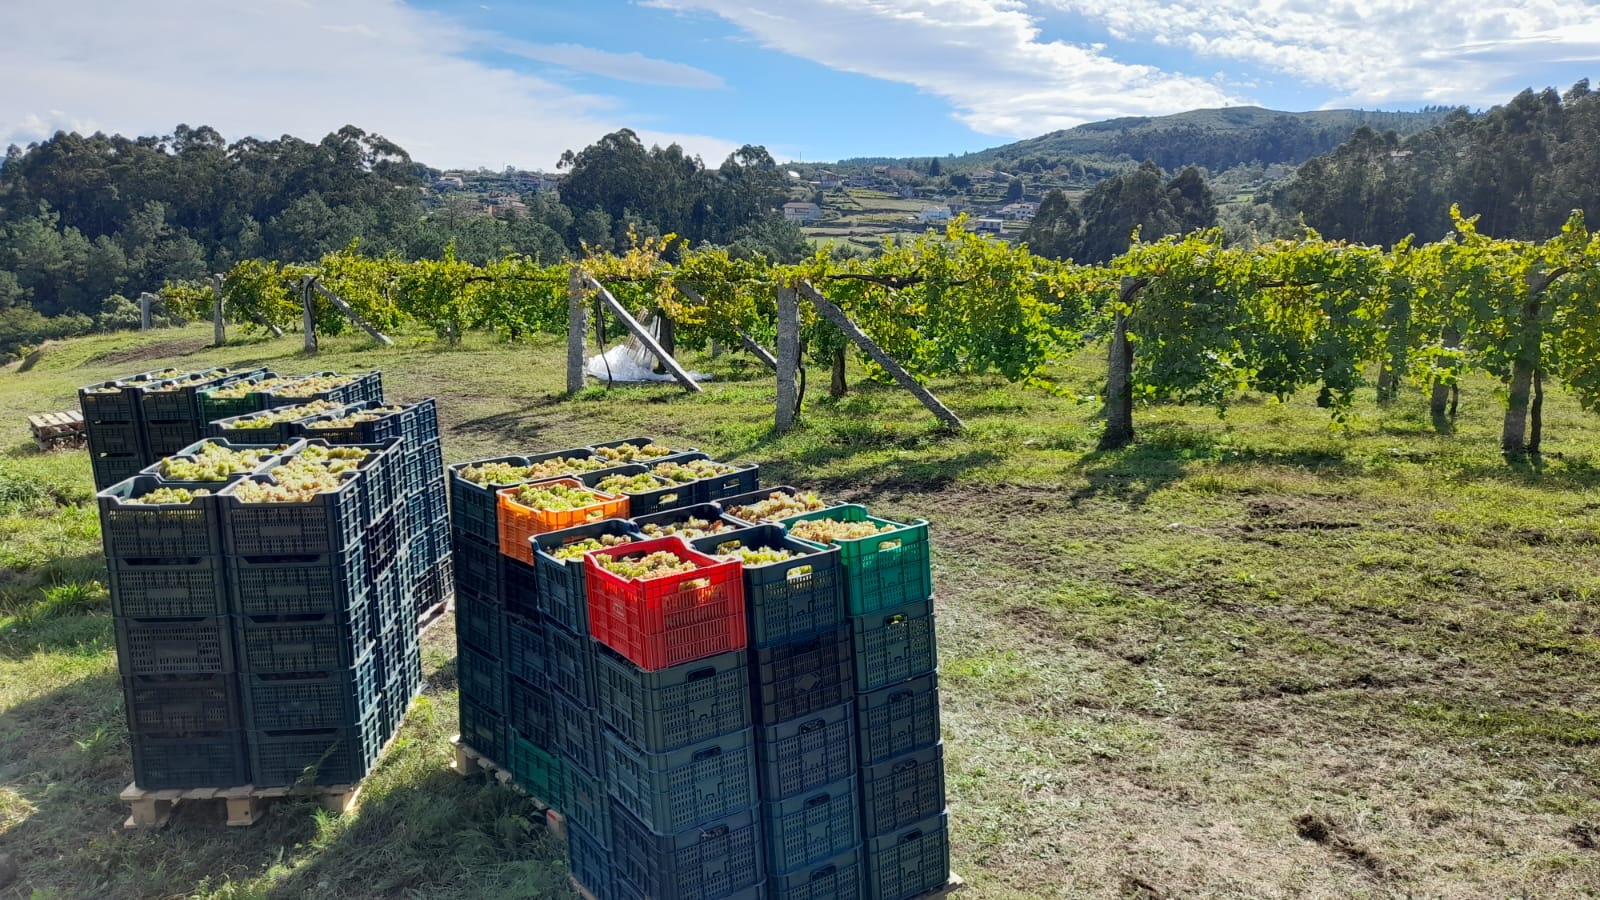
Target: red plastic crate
x=660, y=622
x=518, y=523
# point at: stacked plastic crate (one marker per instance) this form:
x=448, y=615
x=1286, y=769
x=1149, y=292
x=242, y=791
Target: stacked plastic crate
x=131, y=422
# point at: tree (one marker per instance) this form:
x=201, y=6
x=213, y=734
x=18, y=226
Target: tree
x=1053, y=233
x=1014, y=189
x=934, y=169
x=1114, y=208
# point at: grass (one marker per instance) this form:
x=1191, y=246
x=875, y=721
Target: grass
x=1247, y=657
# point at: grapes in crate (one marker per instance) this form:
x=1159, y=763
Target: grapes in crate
x=778, y=505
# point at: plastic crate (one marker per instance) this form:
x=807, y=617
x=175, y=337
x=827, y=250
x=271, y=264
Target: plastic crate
x=295, y=644
x=326, y=524
x=273, y=433
x=882, y=571
x=590, y=862
x=109, y=469
x=536, y=771
x=522, y=592
x=839, y=877
x=424, y=466
x=115, y=437
x=291, y=702
x=518, y=523
x=426, y=506
x=674, y=453
x=166, y=438
x=563, y=585
x=401, y=661
x=709, y=512
x=415, y=423
x=330, y=756
x=812, y=827
x=667, y=495
x=197, y=646
x=729, y=504
x=179, y=399
x=189, y=450
x=527, y=648
x=163, y=588
x=900, y=792
x=486, y=732
x=721, y=858
x=358, y=388
x=676, y=706
x=661, y=622
x=530, y=713
x=894, y=645
x=579, y=737
x=746, y=479
x=193, y=761
x=804, y=754
x=482, y=627
x=332, y=584
x=799, y=678
x=482, y=679
x=384, y=540
x=438, y=585
x=908, y=863
x=391, y=607
x=174, y=705
x=167, y=531
x=213, y=407
x=898, y=719
x=686, y=787
x=585, y=801
x=785, y=600
x=474, y=508
x=113, y=401
x=570, y=664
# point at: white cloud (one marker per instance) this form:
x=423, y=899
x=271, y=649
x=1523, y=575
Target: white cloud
x=274, y=67
x=1371, y=51
x=635, y=67
x=984, y=56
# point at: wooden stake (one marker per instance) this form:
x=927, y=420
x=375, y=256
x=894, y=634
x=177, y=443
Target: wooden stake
x=788, y=362
x=144, y=310
x=577, y=325
x=678, y=372
x=350, y=312
x=756, y=350
x=218, y=332
x=834, y=314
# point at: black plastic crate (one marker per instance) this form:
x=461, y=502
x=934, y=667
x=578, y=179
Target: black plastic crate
x=893, y=645
x=198, y=646
x=482, y=627
x=486, y=732
x=163, y=588
x=536, y=771
x=391, y=608
x=326, y=757
x=806, y=753
x=109, y=469
x=523, y=591
x=570, y=664
x=709, y=512
x=563, y=587
x=167, y=438
x=473, y=507
x=721, y=858
x=676, y=706
x=578, y=734
x=675, y=453
x=167, y=531
x=179, y=400
x=527, y=650
x=898, y=719
x=689, y=786
x=325, y=524
x=482, y=679
x=590, y=862
x=910, y=862
x=803, y=676
x=808, y=829
x=785, y=600
x=283, y=645
x=666, y=495
x=189, y=450
x=193, y=761
x=269, y=433
x=728, y=504
x=332, y=584
x=400, y=664
x=384, y=540
x=415, y=423
x=174, y=705
x=529, y=712
x=212, y=407
x=438, y=585
x=732, y=484
x=111, y=401
x=479, y=572
x=585, y=800
x=900, y=792
x=840, y=877
x=425, y=505
x=291, y=702
x=424, y=467
x=359, y=388
x=115, y=437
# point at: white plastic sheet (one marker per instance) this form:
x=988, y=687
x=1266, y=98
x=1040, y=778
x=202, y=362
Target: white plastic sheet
x=632, y=362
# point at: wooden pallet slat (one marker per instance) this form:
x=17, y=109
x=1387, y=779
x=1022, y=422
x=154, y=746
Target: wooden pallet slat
x=244, y=804
x=469, y=761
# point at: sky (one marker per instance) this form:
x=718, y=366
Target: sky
x=462, y=83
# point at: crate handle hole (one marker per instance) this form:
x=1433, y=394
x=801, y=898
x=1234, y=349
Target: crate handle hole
x=819, y=800
x=824, y=872
x=799, y=572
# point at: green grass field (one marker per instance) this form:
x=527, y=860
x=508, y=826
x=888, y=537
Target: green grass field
x=1248, y=657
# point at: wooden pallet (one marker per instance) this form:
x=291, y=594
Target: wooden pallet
x=56, y=430
x=470, y=762
x=246, y=804
x=954, y=884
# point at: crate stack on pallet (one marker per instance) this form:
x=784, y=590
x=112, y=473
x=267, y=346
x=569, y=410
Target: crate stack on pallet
x=131, y=422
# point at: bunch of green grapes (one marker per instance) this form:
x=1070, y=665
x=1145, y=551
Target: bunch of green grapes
x=823, y=531
x=165, y=495
x=651, y=565
x=565, y=465
x=778, y=505
x=112, y=388
x=628, y=453
x=628, y=484
x=577, y=549
x=366, y=415
x=336, y=459
x=487, y=474
x=555, y=497
x=241, y=388
x=754, y=556
x=316, y=384
x=315, y=470
x=213, y=462
x=281, y=414
x=688, y=529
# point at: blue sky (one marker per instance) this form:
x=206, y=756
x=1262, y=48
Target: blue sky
x=466, y=83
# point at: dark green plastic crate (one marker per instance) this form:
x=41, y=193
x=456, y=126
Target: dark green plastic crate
x=894, y=645
x=709, y=512
x=284, y=645
x=590, y=862
x=522, y=592
x=790, y=599
x=327, y=523
x=416, y=423
x=898, y=719
x=483, y=680
x=536, y=771
x=530, y=713
x=109, y=469
x=578, y=733
x=359, y=388
x=882, y=571
x=196, y=646
x=213, y=408
x=168, y=531
x=473, y=507
x=686, y=787
x=482, y=626
x=563, y=587
x=173, y=705
x=665, y=496
x=585, y=801
x=120, y=438
x=802, y=755
x=808, y=829
x=570, y=664
x=526, y=649
x=840, y=877
x=167, y=438
x=332, y=584
x=479, y=570
x=192, y=761
x=802, y=677
x=486, y=732
x=161, y=588
x=676, y=706
x=899, y=792
x=910, y=862
x=320, y=757
x=722, y=858
x=298, y=701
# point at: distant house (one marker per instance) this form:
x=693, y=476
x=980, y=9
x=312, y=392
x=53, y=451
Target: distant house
x=828, y=181
x=989, y=225
x=934, y=214
x=801, y=212
x=449, y=183
x=1019, y=210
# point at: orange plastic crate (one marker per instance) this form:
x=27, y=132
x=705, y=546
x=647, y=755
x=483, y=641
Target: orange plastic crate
x=518, y=523
x=661, y=622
